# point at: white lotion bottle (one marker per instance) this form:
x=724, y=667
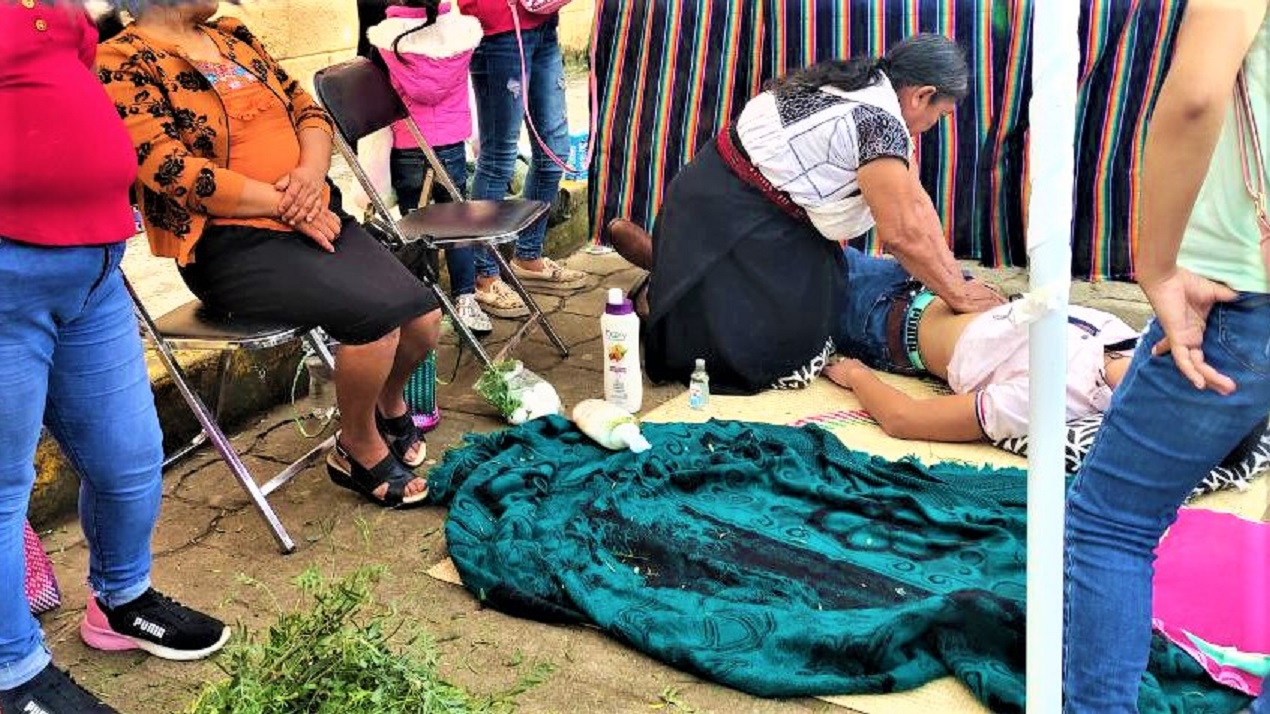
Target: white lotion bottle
x=610, y=426
x=623, y=382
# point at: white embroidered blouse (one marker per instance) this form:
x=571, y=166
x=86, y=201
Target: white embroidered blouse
x=811, y=143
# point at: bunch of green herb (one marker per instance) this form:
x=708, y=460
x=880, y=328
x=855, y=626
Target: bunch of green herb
x=494, y=388
x=341, y=656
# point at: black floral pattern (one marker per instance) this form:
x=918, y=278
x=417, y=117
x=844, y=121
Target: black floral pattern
x=165, y=213
x=169, y=172
x=205, y=184
x=192, y=81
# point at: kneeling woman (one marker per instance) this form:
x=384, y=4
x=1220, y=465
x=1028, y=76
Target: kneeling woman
x=746, y=265
x=234, y=156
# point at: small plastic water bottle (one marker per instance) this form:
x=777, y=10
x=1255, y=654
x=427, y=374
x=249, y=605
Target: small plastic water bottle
x=319, y=376
x=699, y=387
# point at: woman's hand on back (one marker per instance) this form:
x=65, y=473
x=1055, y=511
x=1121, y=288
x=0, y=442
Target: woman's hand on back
x=974, y=296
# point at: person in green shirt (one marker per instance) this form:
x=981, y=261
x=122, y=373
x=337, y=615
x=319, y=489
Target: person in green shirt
x=1203, y=368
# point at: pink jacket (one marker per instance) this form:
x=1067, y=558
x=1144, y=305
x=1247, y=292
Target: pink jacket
x=433, y=78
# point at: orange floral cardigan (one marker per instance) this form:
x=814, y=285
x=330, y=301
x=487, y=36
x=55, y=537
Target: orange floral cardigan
x=181, y=132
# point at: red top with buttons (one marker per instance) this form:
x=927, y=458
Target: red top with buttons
x=66, y=161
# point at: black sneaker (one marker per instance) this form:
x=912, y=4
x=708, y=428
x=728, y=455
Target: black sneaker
x=155, y=623
x=52, y=691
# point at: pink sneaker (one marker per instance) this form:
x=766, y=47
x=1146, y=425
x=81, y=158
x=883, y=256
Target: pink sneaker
x=156, y=624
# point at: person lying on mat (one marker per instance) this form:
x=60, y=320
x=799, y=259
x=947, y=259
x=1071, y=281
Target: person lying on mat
x=233, y=159
x=745, y=260
x=889, y=322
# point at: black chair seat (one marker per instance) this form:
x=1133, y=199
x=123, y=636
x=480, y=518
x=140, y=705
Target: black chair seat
x=471, y=220
x=193, y=322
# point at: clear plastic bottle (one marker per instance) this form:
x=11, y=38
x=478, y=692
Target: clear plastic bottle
x=699, y=387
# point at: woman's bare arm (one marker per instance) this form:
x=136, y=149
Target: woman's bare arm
x=909, y=228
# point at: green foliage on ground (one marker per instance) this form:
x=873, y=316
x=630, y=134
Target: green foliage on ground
x=344, y=653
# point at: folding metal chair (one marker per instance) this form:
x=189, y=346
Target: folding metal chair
x=361, y=100
x=193, y=327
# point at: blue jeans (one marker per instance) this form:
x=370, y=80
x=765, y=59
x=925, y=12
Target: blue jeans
x=872, y=285
x=1129, y=489
x=408, y=168
x=70, y=359
x=496, y=76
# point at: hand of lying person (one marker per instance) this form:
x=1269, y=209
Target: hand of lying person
x=843, y=371
x=302, y=195
x=974, y=296
x=323, y=230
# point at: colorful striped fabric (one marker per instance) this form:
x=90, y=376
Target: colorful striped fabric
x=671, y=71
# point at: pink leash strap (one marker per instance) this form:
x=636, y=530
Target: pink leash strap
x=524, y=98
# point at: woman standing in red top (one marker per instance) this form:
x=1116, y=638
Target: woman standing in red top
x=70, y=355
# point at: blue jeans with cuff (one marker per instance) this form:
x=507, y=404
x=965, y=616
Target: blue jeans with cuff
x=1159, y=438
x=873, y=284
x=496, y=77
x=71, y=360
x=408, y=167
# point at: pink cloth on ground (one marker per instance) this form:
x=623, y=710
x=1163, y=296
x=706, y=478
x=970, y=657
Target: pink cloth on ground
x=1212, y=582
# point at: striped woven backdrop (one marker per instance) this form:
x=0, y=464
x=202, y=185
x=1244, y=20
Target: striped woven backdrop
x=671, y=71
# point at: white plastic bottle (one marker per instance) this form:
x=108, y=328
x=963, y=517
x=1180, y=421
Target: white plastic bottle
x=610, y=426
x=623, y=383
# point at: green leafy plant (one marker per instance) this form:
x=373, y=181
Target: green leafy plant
x=493, y=386
x=669, y=701
x=345, y=654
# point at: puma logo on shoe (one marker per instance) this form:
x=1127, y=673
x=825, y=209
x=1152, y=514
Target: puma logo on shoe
x=149, y=628
x=34, y=708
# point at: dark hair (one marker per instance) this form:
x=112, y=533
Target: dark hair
x=430, y=10
x=109, y=25
x=921, y=60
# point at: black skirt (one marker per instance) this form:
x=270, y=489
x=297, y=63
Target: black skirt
x=357, y=294
x=736, y=281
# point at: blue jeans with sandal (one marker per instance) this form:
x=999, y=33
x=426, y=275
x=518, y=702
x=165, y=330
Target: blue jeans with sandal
x=71, y=360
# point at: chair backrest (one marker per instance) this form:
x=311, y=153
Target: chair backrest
x=359, y=97
x=361, y=100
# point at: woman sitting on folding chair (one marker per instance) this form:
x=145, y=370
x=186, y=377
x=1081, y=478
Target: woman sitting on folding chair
x=233, y=159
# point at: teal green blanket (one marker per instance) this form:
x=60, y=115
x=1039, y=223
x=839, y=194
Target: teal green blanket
x=771, y=559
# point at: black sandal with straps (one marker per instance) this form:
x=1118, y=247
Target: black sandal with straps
x=365, y=481
x=401, y=435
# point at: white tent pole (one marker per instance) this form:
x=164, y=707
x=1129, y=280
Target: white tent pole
x=1055, y=63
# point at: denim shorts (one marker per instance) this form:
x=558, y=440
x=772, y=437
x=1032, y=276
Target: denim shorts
x=877, y=288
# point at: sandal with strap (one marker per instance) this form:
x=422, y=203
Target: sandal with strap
x=362, y=480
x=401, y=434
